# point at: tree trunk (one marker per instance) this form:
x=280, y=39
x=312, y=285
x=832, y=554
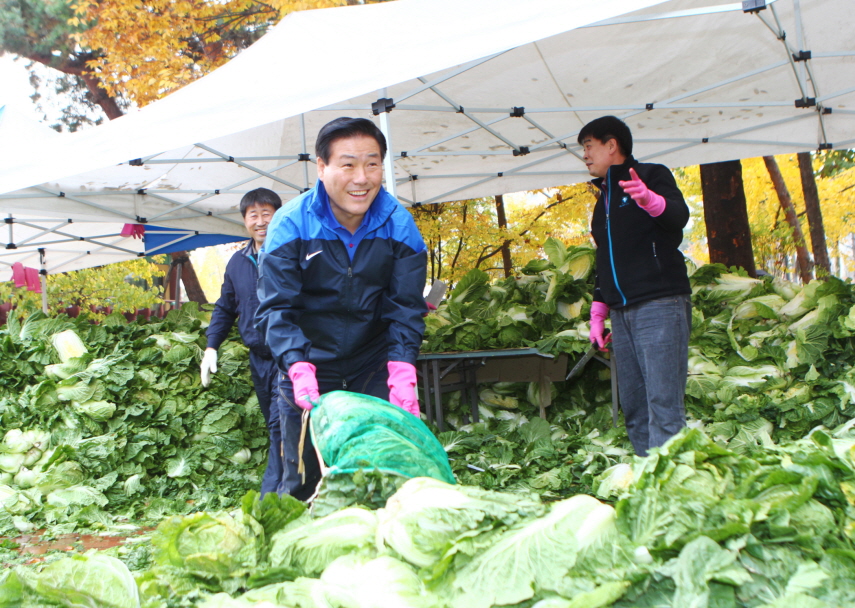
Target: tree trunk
x=726, y=215
x=189, y=278
x=790, y=213
x=814, y=215
x=100, y=96
x=503, y=223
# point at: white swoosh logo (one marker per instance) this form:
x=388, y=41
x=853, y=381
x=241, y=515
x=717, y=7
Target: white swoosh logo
x=309, y=256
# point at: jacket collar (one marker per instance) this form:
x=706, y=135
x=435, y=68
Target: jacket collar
x=382, y=207
x=621, y=169
x=247, y=250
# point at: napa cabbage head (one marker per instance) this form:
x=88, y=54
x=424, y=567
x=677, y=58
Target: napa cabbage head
x=534, y=554
x=210, y=545
x=745, y=376
x=93, y=579
x=309, y=546
x=358, y=581
x=424, y=518
x=68, y=345
x=732, y=286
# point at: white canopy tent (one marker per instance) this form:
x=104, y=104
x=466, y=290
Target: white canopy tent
x=478, y=98
x=53, y=244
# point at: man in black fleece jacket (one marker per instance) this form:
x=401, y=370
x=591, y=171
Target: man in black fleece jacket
x=641, y=281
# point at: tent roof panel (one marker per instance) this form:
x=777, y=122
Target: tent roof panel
x=720, y=83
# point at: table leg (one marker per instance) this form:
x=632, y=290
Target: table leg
x=615, y=401
x=440, y=423
x=426, y=390
x=545, y=383
x=473, y=387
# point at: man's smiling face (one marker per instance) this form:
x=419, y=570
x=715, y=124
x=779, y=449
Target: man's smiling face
x=352, y=178
x=256, y=220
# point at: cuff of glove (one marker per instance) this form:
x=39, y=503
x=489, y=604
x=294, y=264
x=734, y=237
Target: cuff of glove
x=655, y=204
x=599, y=310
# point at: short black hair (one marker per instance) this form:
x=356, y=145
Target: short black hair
x=343, y=128
x=605, y=128
x=259, y=196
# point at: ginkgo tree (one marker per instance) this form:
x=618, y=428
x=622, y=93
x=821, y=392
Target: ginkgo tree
x=464, y=235
x=123, y=52
x=121, y=287
x=134, y=57
x=772, y=237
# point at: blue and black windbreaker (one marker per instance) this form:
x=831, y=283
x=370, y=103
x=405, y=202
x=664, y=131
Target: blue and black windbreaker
x=317, y=305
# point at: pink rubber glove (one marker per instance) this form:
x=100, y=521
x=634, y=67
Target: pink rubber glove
x=402, y=386
x=646, y=199
x=599, y=314
x=305, y=383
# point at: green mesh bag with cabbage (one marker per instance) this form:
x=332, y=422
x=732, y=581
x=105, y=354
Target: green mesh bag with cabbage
x=352, y=431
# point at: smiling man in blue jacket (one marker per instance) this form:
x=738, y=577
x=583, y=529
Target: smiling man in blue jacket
x=342, y=274
x=641, y=281
x=238, y=302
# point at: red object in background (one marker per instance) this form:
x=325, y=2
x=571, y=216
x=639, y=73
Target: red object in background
x=136, y=231
x=72, y=311
x=18, y=274
x=5, y=308
x=24, y=276
x=33, y=282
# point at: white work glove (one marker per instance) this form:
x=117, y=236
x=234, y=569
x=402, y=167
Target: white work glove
x=209, y=365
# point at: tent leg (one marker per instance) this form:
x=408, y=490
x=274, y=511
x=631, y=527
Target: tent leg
x=43, y=279
x=177, y=294
x=305, y=164
x=389, y=163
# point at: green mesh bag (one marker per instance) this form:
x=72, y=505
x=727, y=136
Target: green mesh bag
x=352, y=431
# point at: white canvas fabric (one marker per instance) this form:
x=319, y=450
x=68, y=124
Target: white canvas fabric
x=488, y=97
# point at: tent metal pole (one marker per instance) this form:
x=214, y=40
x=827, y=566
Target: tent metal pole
x=177, y=294
x=43, y=232
x=58, y=194
x=240, y=163
x=509, y=172
x=468, y=115
x=389, y=161
x=303, y=141
x=184, y=237
x=456, y=72
x=43, y=280
x=707, y=10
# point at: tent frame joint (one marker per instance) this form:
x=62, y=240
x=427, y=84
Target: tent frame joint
x=753, y=6
x=805, y=102
x=382, y=105
x=802, y=56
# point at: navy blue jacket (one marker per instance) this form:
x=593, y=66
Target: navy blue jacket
x=238, y=300
x=318, y=306
x=638, y=256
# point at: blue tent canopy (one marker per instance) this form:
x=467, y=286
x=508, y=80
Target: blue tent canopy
x=159, y=239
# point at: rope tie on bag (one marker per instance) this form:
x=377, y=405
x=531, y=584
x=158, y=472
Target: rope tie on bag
x=301, y=465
